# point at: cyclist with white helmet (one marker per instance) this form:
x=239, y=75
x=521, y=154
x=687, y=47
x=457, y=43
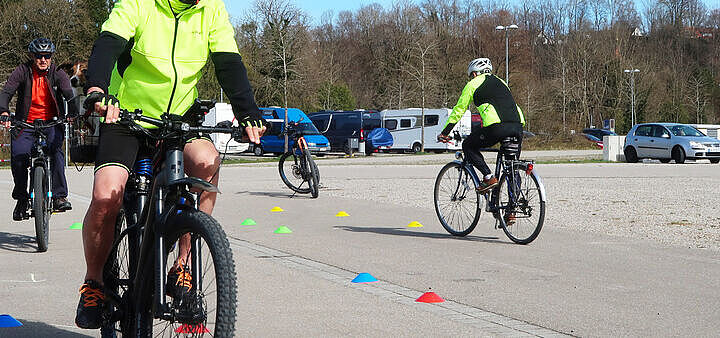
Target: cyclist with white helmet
x=501, y=117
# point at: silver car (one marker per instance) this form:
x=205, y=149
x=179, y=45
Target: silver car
x=669, y=141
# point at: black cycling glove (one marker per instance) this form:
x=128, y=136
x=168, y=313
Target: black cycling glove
x=104, y=99
x=252, y=121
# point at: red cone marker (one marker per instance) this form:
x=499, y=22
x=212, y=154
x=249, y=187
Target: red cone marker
x=430, y=297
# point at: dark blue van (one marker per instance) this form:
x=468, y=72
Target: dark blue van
x=273, y=142
x=339, y=126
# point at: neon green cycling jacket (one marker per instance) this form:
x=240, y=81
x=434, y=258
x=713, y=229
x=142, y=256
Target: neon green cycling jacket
x=493, y=99
x=169, y=52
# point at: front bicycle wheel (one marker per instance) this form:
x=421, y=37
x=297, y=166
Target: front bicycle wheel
x=198, y=244
x=314, y=180
x=41, y=208
x=457, y=202
x=522, y=210
x=292, y=172
x=118, y=274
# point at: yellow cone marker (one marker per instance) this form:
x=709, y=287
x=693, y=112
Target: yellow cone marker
x=342, y=214
x=415, y=225
x=277, y=209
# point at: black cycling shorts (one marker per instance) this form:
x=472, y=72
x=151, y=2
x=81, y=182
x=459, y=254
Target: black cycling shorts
x=120, y=146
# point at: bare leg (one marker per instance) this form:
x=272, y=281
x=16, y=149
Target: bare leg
x=98, y=226
x=202, y=161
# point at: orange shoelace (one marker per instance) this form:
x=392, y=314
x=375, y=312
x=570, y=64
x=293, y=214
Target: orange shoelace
x=184, y=278
x=91, y=295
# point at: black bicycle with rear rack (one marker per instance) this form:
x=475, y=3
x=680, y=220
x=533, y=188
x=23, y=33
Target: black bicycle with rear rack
x=517, y=203
x=160, y=225
x=302, y=168
x=40, y=206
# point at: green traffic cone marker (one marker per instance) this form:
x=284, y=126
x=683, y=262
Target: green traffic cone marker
x=283, y=230
x=248, y=221
x=76, y=226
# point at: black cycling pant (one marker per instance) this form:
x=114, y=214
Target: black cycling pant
x=487, y=137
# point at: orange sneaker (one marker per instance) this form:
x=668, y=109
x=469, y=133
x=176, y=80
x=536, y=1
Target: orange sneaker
x=179, y=282
x=90, y=309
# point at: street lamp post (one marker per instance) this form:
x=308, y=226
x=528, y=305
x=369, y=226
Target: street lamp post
x=632, y=94
x=507, y=47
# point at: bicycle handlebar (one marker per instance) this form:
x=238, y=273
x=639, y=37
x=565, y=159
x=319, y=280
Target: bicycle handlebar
x=36, y=125
x=167, y=125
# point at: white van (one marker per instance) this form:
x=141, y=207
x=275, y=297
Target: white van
x=224, y=142
x=406, y=131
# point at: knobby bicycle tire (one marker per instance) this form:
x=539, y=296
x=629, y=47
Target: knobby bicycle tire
x=208, y=229
x=314, y=176
x=447, y=216
x=504, y=191
x=41, y=208
x=297, y=171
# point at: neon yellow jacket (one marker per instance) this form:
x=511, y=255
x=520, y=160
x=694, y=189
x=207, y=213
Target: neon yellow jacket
x=169, y=51
x=492, y=97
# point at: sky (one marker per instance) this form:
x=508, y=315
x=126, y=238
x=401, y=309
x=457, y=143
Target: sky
x=316, y=8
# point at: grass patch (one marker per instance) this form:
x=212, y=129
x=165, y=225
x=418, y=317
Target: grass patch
x=557, y=142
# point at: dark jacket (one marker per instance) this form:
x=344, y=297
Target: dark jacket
x=21, y=81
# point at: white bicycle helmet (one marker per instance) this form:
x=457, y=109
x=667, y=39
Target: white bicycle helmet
x=480, y=65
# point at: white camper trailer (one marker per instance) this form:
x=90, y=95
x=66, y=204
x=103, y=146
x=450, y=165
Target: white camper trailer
x=223, y=112
x=404, y=125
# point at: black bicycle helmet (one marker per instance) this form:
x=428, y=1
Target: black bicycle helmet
x=41, y=45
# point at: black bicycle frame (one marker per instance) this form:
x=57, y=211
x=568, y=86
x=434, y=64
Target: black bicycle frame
x=502, y=155
x=170, y=185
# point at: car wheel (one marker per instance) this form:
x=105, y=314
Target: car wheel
x=258, y=151
x=664, y=160
x=630, y=155
x=678, y=154
x=416, y=148
x=715, y=160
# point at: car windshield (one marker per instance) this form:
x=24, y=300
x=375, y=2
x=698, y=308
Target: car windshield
x=681, y=130
x=307, y=129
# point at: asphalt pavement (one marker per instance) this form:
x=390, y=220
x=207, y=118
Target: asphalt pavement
x=567, y=282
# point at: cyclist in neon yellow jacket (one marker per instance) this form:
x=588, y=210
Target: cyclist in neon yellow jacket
x=158, y=49
x=501, y=116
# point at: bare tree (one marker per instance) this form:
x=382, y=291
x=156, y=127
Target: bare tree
x=421, y=71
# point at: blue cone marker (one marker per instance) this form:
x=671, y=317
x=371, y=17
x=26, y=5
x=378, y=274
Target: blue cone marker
x=364, y=278
x=9, y=321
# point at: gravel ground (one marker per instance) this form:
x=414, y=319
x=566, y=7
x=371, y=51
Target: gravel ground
x=673, y=205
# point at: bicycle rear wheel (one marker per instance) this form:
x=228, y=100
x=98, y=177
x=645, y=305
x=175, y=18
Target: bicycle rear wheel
x=41, y=208
x=457, y=203
x=291, y=172
x=314, y=176
x=208, y=309
x=522, y=210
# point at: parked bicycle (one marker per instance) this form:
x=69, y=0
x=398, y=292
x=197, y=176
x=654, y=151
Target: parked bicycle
x=159, y=212
x=302, y=169
x=40, y=206
x=517, y=203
